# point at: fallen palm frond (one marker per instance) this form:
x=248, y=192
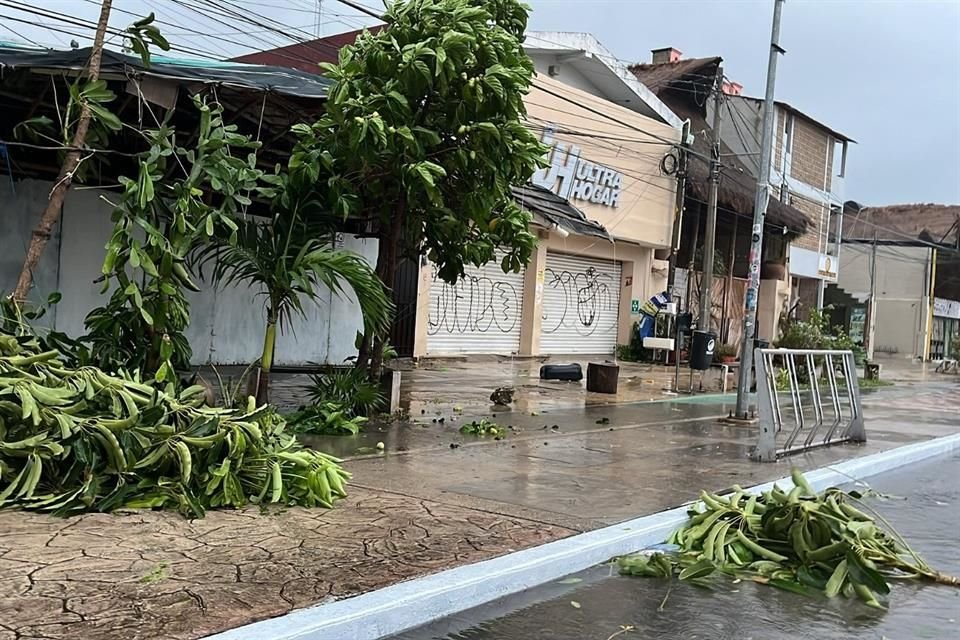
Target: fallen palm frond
x=80, y=439
x=800, y=541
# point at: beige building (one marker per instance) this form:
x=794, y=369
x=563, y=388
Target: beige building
x=580, y=293
x=914, y=248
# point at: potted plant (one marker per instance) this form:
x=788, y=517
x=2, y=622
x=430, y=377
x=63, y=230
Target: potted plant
x=727, y=353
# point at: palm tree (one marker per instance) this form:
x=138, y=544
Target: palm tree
x=288, y=259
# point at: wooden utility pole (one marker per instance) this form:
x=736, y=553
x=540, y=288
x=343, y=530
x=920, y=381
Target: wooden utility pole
x=51, y=215
x=710, y=233
x=745, y=379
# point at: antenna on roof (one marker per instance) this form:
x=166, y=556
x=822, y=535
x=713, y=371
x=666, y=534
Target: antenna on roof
x=318, y=25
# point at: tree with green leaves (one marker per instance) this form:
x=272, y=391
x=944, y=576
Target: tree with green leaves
x=423, y=138
x=87, y=122
x=179, y=199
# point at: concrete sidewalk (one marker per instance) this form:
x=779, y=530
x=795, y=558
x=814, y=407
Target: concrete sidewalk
x=419, y=507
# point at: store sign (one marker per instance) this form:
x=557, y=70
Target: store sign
x=827, y=266
x=946, y=308
x=575, y=178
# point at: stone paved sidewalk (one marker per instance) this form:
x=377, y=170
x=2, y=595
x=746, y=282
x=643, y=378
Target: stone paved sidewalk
x=148, y=575
x=420, y=507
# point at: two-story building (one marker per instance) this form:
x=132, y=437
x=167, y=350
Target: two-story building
x=898, y=293
x=809, y=166
x=687, y=86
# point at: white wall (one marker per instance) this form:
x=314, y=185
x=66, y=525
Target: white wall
x=86, y=226
x=226, y=325
x=568, y=75
x=21, y=204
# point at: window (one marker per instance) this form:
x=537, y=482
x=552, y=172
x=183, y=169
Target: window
x=788, y=134
x=840, y=153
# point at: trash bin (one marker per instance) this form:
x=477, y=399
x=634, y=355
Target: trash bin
x=602, y=377
x=701, y=350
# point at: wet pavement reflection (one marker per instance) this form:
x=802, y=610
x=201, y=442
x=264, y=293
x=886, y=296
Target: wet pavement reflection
x=924, y=505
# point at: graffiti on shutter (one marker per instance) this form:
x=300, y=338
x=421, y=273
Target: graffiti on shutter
x=581, y=305
x=481, y=313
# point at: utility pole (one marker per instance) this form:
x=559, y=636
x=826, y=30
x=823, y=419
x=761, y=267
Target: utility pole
x=51, y=214
x=675, y=244
x=872, y=307
x=710, y=233
x=759, y=214
x=678, y=208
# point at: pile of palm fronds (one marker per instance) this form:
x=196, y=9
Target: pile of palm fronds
x=79, y=439
x=800, y=541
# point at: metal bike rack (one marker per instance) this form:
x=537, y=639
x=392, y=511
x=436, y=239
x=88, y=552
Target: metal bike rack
x=821, y=405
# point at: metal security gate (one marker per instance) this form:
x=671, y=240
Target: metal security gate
x=581, y=305
x=481, y=313
x=806, y=399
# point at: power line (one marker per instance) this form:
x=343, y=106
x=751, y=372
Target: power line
x=613, y=119
x=309, y=42
x=21, y=36
x=362, y=8
x=48, y=27
x=66, y=19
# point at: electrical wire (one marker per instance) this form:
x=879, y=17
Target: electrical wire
x=66, y=19
x=21, y=36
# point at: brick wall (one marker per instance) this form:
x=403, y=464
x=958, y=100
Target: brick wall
x=810, y=147
x=815, y=238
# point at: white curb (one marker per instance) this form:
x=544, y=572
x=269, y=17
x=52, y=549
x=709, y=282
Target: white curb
x=411, y=604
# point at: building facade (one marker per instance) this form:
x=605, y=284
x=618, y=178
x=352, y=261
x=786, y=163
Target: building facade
x=226, y=322
x=899, y=293
x=688, y=87
x=582, y=290
x=808, y=171
x=579, y=293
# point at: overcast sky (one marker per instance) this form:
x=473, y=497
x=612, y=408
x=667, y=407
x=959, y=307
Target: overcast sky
x=886, y=73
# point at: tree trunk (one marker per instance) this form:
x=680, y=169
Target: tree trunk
x=387, y=259
x=51, y=215
x=266, y=361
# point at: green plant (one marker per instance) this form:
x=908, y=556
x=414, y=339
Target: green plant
x=348, y=387
x=799, y=541
x=635, y=351
x=483, y=427
x=781, y=379
x=180, y=198
x=231, y=392
x=727, y=351
x=85, y=123
x=79, y=439
x=287, y=258
x=816, y=333
x=424, y=136
x=624, y=352
x=328, y=418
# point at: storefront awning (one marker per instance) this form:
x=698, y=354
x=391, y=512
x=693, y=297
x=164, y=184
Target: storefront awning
x=551, y=210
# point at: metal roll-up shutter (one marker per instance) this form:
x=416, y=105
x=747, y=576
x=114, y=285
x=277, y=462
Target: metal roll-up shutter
x=581, y=305
x=481, y=313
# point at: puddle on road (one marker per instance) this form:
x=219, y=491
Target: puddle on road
x=596, y=603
